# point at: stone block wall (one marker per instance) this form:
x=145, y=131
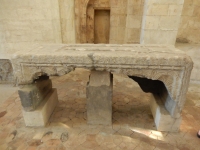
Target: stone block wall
x=161, y=20
x=67, y=18
x=118, y=21
x=24, y=22
x=125, y=19
x=134, y=21
x=189, y=28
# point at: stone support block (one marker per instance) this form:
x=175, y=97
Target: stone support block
x=99, y=98
x=41, y=115
x=32, y=95
x=162, y=118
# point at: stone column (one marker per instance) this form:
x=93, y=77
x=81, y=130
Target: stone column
x=99, y=98
x=38, y=101
x=160, y=21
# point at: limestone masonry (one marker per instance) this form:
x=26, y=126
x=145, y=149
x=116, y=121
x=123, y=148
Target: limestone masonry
x=153, y=62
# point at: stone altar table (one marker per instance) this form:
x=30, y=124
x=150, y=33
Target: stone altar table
x=160, y=69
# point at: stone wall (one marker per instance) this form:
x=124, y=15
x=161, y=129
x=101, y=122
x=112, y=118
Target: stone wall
x=131, y=21
x=90, y=16
x=118, y=21
x=67, y=16
x=24, y=22
x=161, y=20
x=134, y=21
x=189, y=29
x=125, y=19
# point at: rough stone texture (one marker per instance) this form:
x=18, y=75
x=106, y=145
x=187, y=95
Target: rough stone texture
x=6, y=71
x=157, y=62
x=41, y=115
x=157, y=87
x=162, y=118
x=99, y=98
x=32, y=95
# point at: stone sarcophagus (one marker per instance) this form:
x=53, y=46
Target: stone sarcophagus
x=160, y=69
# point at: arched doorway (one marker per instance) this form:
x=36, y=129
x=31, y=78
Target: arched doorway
x=98, y=22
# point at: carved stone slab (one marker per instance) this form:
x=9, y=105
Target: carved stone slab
x=157, y=62
x=6, y=74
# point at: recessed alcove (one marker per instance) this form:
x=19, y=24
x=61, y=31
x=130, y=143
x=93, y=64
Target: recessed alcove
x=101, y=26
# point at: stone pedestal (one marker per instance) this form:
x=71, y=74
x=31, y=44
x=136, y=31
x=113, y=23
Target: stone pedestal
x=162, y=118
x=32, y=95
x=41, y=115
x=99, y=98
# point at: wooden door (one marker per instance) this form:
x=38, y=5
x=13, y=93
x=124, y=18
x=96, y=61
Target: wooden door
x=101, y=26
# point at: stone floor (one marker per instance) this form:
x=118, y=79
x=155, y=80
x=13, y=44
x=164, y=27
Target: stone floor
x=133, y=126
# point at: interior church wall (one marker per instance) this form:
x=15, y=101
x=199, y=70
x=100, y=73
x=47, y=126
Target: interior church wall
x=189, y=28
x=161, y=20
x=133, y=21
x=26, y=22
x=125, y=20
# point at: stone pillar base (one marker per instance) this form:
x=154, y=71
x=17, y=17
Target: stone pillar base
x=162, y=118
x=41, y=115
x=99, y=98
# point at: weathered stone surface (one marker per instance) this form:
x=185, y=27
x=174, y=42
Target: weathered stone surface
x=157, y=62
x=32, y=95
x=157, y=87
x=41, y=115
x=6, y=71
x=162, y=118
x=99, y=98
